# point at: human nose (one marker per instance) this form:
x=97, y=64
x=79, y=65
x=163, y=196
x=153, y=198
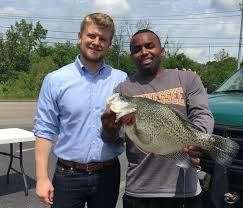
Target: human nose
x=96, y=40
x=144, y=51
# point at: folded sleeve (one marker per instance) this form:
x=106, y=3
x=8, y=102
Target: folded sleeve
x=46, y=121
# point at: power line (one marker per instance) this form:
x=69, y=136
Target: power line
x=170, y=37
x=170, y=46
x=191, y=14
x=122, y=17
x=177, y=24
x=60, y=19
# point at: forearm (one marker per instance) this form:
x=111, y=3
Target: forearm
x=198, y=110
x=42, y=150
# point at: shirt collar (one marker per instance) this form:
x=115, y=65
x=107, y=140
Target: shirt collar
x=82, y=69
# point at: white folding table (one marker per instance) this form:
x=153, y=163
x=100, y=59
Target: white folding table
x=11, y=136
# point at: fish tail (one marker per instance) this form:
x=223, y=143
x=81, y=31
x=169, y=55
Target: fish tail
x=224, y=150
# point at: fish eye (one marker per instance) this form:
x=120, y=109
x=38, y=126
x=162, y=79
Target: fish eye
x=124, y=98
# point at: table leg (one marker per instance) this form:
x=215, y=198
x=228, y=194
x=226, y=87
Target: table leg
x=20, y=158
x=22, y=168
x=10, y=163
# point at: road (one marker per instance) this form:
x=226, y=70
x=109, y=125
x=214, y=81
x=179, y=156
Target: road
x=20, y=115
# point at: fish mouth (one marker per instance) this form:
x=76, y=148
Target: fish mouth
x=121, y=115
x=120, y=105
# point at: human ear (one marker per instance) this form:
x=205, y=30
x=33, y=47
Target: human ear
x=79, y=38
x=162, y=52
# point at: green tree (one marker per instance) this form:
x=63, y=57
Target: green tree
x=20, y=42
x=179, y=61
x=27, y=84
x=64, y=53
x=218, y=71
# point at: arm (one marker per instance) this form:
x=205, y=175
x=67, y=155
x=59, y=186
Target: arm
x=44, y=188
x=197, y=106
x=199, y=114
x=46, y=125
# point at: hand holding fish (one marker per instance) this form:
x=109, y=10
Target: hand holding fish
x=110, y=128
x=194, y=152
x=108, y=119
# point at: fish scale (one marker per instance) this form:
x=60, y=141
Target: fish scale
x=161, y=130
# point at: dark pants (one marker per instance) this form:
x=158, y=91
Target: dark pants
x=73, y=188
x=134, y=202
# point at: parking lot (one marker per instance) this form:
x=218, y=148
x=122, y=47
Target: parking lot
x=20, y=115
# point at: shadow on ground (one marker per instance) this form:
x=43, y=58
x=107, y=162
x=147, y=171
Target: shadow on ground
x=16, y=184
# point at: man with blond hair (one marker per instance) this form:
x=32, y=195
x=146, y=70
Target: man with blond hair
x=70, y=103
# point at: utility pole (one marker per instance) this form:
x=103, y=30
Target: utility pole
x=240, y=40
x=209, y=53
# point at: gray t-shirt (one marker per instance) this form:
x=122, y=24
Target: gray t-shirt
x=155, y=176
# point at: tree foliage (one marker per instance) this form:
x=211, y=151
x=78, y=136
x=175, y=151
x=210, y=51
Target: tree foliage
x=25, y=59
x=16, y=50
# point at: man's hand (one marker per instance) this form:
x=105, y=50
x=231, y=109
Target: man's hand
x=128, y=119
x=194, y=152
x=44, y=190
x=111, y=127
x=108, y=119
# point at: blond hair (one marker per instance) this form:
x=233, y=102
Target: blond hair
x=100, y=19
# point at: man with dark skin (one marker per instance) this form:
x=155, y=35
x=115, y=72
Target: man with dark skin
x=152, y=181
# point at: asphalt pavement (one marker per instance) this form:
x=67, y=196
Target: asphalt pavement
x=20, y=115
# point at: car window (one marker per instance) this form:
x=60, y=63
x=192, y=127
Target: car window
x=235, y=82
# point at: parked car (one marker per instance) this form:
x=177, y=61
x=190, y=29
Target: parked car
x=226, y=104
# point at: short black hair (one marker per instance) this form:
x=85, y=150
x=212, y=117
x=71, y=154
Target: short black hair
x=145, y=31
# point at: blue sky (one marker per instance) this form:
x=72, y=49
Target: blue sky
x=200, y=28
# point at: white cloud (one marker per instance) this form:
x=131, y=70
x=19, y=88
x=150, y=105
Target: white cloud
x=12, y=11
x=193, y=53
x=72, y=2
x=113, y=7
x=231, y=30
x=225, y=4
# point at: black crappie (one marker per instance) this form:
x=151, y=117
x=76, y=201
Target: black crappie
x=160, y=129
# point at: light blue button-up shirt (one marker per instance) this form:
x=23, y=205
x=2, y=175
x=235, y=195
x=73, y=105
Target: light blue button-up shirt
x=70, y=105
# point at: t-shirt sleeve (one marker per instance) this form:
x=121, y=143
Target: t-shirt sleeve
x=197, y=105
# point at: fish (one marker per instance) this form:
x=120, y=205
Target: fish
x=163, y=130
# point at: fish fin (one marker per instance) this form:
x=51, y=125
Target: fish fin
x=181, y=159
x=224, y=150
x=137, y=135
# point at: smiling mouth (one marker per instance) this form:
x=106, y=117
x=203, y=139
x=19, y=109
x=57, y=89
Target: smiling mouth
x=94, y=50
x=146, y=61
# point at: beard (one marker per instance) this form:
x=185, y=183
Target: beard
x=150, y=69
x=92, y=55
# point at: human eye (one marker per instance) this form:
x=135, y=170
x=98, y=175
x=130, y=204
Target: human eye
x=92, y=36
x=103, y=39
x=149, y=45
x=135, y=49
